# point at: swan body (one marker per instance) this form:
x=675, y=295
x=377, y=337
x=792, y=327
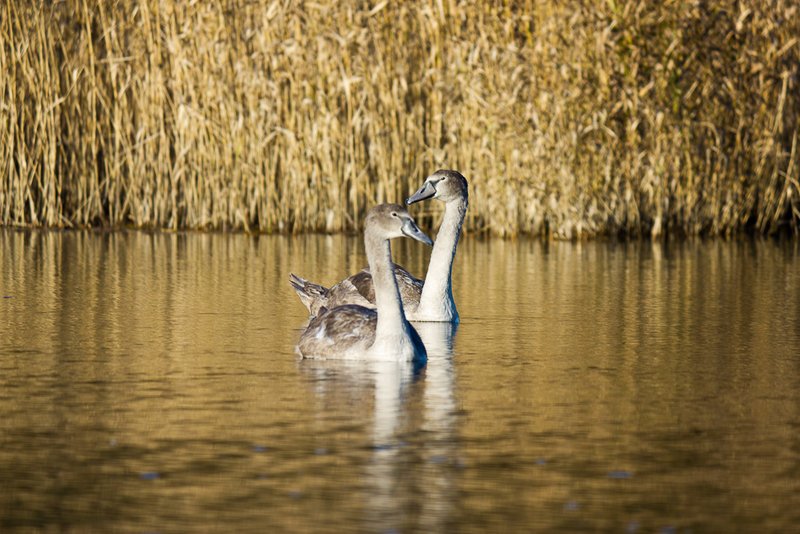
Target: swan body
x=428, y=300
x=355, y=332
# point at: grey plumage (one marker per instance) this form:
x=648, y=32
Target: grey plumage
x=352, y=331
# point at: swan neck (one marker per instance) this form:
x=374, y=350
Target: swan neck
x=391, y=318
x=437, y=281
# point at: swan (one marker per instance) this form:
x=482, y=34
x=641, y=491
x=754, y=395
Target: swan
x=355, y=332
x=428, y=300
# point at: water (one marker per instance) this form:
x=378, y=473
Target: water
x=148, y=384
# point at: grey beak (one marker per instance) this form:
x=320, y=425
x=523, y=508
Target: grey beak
x=423, y=193
x=410, y=229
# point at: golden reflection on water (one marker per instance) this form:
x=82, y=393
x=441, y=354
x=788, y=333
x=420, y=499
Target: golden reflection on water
x=148, y=383
x=656, y=362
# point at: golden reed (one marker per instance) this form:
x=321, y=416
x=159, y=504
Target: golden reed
x=570, y=119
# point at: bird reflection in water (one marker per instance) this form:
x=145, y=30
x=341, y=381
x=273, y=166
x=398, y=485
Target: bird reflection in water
x=405, y=487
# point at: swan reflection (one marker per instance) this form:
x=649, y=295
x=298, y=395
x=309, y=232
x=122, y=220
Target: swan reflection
x=406, y=487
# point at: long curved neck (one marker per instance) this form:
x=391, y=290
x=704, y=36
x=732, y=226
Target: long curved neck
x=391, y=318
x=438, y=290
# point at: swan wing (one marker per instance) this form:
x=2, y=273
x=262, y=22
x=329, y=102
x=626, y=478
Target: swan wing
x=340, y=332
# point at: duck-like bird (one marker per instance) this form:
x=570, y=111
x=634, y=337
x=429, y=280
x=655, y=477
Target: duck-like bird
x=355, y=332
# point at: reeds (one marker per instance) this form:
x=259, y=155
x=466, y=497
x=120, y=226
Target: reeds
x=569, y=119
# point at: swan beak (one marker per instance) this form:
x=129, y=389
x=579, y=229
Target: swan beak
x=410, y=229
x=423, y=193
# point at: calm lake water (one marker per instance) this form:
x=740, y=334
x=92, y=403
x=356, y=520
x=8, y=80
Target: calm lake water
x=148, y=383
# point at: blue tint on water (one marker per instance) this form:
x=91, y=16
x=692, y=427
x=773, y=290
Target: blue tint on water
x=620, y=474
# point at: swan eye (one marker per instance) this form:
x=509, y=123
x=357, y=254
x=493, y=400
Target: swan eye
x=394, y=214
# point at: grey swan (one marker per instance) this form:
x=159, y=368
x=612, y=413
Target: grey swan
x=428, y=300
x=354, y=332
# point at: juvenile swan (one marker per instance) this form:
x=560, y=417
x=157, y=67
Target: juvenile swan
x=431, y=300
x=354, y=332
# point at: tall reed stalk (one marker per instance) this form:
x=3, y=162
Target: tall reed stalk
x=569, y=118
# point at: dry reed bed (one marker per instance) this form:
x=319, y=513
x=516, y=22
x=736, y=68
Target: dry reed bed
x=569, y=118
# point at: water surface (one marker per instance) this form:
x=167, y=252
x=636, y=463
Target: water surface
x=148, y=384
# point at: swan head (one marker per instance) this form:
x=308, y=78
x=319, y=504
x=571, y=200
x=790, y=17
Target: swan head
x=392, y=220
x=444, y=185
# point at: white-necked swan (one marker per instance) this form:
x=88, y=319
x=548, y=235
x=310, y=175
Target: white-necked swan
x=431, y=300
x=355, y=332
